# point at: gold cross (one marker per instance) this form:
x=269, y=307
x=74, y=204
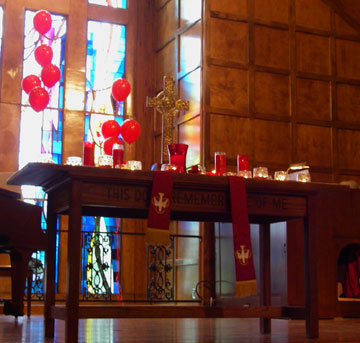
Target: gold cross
x=168, y=104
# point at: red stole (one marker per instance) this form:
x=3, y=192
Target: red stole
x=159, y=209
x=244, y=264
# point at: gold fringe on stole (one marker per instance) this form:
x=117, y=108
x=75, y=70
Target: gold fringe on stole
x=157, y=237
x=245, y=288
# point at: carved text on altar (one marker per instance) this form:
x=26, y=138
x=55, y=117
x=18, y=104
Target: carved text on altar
x=196, y=198
x=264, y=202
x=126, y=194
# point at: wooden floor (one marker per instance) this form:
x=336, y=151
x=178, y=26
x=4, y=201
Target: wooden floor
x=30, y=330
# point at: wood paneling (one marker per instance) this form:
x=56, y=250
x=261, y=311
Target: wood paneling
x=230, y=132
x=314, y=145
x=313, y=99
x=271, y=142
x=271, y=47
x=228, y=88
x=166, y=23
x=272, y=10
x=272, y=94
x=347, y=61
x=165, y=64
x=348, y=102
x=343, y=28
x=314, y=14
x=229, y=41
x=313, y=53
x=349, y=148
x=238, y=7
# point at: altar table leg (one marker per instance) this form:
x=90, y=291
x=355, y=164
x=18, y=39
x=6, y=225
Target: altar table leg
x=50, y=267
x=208, y=263
x=73, y=265
x=311, y=289
x=265, y=278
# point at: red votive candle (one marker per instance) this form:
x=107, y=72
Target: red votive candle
x=177, y=156
x=88, y=154
x=220, y=163
x=118, y=155
x=242, y=162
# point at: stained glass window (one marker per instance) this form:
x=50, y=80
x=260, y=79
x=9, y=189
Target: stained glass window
x=41, y=132
x=104, y=63
x=109, y=3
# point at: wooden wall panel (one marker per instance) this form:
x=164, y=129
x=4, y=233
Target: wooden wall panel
x=166, y=23
x=229, y=41
x=312, y=13
x=238, y=7
x=228, y=88
x=348, y=102
x=314, y=145
x=272, y=10
x=271, y=47
x=165, y=64
x=313, y=53
x=313, y=99
x=349, y=148
x=230, y=134
x=347, y=59
x=271, y=142
x=272, y=94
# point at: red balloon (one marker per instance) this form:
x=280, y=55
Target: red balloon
x=120, y=89
x=38, y=99
x=43, y=54
x=108, y=144
x=110, y=128
x=42, y=21
x=50, y=74
x=29, y=83
x=130, y=130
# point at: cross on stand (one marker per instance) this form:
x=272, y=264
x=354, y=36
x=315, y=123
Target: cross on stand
x=169, y=105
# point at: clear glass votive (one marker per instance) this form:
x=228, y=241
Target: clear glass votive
x=45, y=158
x=74, y=161
x=303, y=177
x=220, y=163
x=281, y=175
x=105, y=161
x=260, y=173
x=134, y=165
x=245, y=174
x=168, y=167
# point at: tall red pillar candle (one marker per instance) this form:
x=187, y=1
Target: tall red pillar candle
x=220, y=163
x=242, y=162
x=118, y=155
x=88, y=154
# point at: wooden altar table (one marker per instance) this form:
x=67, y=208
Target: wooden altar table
x=89, y=191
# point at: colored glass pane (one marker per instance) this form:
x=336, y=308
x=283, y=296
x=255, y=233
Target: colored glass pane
x=109, y=3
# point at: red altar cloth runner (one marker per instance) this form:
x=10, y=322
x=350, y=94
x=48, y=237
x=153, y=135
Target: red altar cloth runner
x=244, y=264
x=157, y=232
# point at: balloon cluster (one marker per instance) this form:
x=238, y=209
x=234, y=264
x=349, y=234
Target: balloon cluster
x=129, y=131
x=111, y=131
x=50, y=73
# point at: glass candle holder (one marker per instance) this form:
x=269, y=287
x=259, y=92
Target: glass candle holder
x=118, y=155
x=45, y=158
x=220, y=163
x=242, y=163
x=281, y=175
x=134, y=165
x=105, y=161
x=177, y=155
x=303, y=177
x=74, y=161
x=260, y=173
x=168, y=167
x=245, y=174
x=88, y=153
